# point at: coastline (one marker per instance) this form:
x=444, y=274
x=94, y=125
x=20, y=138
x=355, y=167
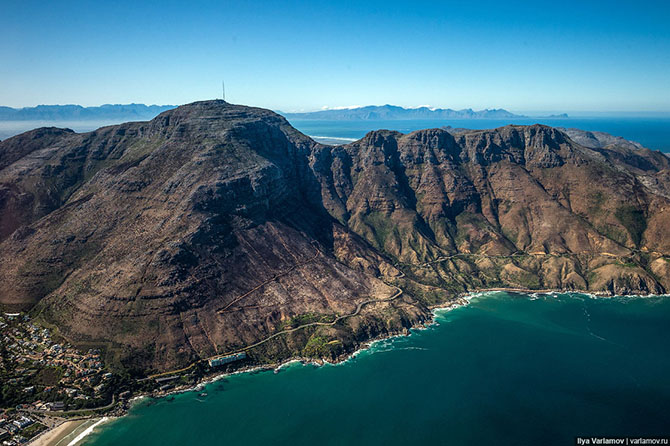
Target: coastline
x=594, y=294
x=88, y=431
x=458, y=301
x=59, y=435
x=52, y=436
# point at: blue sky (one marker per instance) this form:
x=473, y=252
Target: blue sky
x=292, y=55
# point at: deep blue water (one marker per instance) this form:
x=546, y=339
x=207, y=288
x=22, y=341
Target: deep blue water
x=505, y=370
x=653, y=133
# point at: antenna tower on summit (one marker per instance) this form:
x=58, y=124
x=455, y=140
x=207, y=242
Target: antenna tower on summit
x=223, y=88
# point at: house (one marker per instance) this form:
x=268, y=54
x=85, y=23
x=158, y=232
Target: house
x=57, y=405
x=71, y=392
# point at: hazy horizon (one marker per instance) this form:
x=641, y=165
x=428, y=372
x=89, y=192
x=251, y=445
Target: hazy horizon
x=529, y=113
x=651, y=130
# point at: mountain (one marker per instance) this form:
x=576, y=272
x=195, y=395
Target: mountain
x=79, y=113
x=214, y=226
x=597, y=140
x=392, y=112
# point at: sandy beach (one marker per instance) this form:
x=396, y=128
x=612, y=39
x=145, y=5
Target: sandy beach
x=67, y=433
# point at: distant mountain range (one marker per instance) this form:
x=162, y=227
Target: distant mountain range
x=393, y=112
x=135, y=112
x=132, y=112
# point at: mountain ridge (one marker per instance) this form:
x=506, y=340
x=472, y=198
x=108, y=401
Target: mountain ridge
x=393, y=112
x=141, y=111
x=215, y=225
x=77, y=112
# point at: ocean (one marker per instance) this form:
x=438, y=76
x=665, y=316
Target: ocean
x=653, y=133
x=507, y=369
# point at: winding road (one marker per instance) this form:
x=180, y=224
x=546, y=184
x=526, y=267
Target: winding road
x=359, y=307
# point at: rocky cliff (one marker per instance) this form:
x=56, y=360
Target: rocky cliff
x=214, y=226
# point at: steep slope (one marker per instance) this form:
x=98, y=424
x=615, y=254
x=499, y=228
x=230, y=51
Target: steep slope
x=515, y=206
x=214, y=226
x=150, y=235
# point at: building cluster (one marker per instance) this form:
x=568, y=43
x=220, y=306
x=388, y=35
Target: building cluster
x=222, y=360
x=14, y=429
x=45, y=371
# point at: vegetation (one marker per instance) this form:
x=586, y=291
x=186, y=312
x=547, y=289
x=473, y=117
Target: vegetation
x=48, y=376
x=382, y=227
x=596, y=199
x=633, y=220
x=33, y=430
x=612, y=232
x=305, y=318
x=317, y=347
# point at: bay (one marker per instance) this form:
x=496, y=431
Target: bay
x=506, y=369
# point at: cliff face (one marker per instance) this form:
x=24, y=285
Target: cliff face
x=213, y=226
x=149, y=237
x=516, y=206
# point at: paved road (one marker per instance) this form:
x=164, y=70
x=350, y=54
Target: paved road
x=59, y=413
x=312, y=324
x=359, y=307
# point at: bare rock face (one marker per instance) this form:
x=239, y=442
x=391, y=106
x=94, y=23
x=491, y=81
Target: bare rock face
x=214, y=226
x=521, y=206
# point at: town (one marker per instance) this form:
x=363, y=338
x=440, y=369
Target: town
x=46, y=381
x=41, y=376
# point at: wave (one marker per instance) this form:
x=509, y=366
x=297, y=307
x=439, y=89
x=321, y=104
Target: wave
x=87, y=431
x=390, y=343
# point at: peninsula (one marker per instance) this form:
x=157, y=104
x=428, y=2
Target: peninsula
x=217, y=228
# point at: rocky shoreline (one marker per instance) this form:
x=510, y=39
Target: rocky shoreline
x=460, y=300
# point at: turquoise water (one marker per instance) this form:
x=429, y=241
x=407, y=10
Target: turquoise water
x=653, y=133
x=507, y=369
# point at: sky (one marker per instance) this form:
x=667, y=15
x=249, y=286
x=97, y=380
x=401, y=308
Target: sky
x=567, y=56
